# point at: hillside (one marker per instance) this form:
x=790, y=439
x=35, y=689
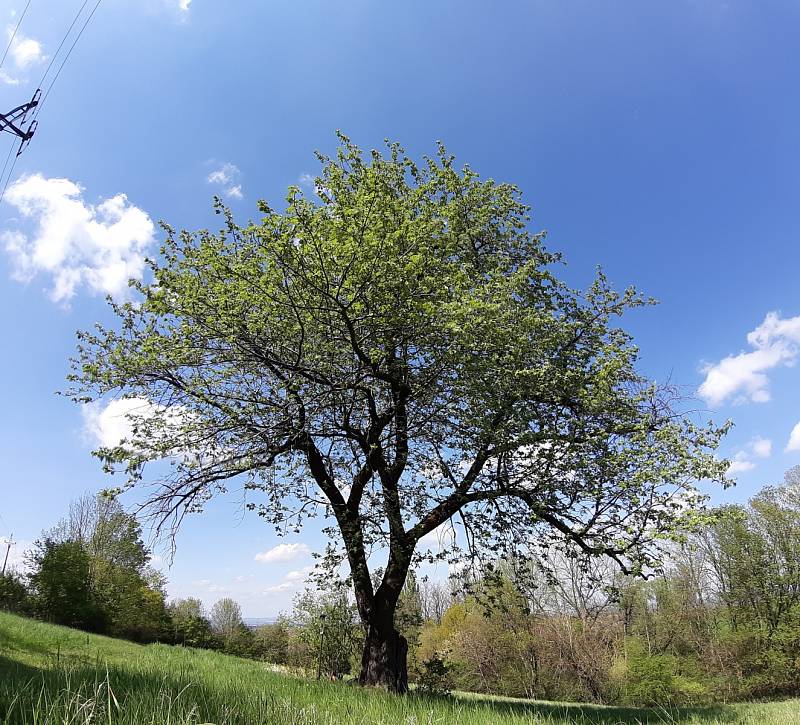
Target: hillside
x=51, y=674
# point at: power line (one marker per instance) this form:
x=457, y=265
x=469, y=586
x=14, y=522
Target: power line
x=63, y=40
x=14, y=34
x=8, y=178
x=69, y=53
x=3, y=172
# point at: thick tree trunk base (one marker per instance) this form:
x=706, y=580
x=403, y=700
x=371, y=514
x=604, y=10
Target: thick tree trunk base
x=384, y=663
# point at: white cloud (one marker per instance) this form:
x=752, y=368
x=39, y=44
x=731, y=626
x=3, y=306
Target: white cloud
x=76, y=243
x=291, y=580
x=109, y=425
x=306, y=179
x=183, y=5
x=7, y=79
x=227, y=175
x=441, y=538
x=224, y=174
x=794, y=439
x=24, y=51
x=299, y=575
x=775, y=341
x=740, y=463
x=283, y=553
x=761, y=447
x=112, y=424
x=282, y=587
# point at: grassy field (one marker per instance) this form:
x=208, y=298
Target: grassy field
x=52, y=675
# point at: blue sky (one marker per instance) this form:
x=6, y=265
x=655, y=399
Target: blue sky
x=659, y=140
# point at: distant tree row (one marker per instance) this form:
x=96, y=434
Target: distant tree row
x=719, y=621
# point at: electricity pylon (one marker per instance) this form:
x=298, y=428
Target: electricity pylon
x=15, y=121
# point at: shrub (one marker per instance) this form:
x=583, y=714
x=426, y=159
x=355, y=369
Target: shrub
x=434, y=677
x=13, y=594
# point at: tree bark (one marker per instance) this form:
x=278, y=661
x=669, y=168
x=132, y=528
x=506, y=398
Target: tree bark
x=384, y=662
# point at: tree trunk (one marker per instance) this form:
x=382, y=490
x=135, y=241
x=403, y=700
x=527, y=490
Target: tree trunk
x=384, y=663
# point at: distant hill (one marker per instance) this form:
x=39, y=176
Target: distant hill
x=254, y=622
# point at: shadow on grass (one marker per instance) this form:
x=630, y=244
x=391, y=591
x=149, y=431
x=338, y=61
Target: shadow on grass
x=143, y=693
x=587, y=714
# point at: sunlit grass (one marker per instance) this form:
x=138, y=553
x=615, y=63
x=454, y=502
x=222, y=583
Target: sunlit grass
x=56, y=675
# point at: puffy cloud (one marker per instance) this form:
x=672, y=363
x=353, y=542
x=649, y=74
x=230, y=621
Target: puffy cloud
x=24, y=51
x=299, y=575
x=742, y=461
x=108, y=425
x=283, y=553
x=291, y=580
x=183, y=5
x=775, y=342
x=227, y=176
x=794, y=439
x=8, y=79
x=111, y=424
x=761, y=447
x=282, y=587
x=76, y=243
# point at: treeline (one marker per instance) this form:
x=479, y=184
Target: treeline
x=92, y=571
x=720, y=622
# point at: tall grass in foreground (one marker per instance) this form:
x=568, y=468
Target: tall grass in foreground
x=52, y=675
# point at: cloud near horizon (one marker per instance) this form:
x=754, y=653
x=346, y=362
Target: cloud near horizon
x=283, y=553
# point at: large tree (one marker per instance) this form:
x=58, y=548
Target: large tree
x=393, y=352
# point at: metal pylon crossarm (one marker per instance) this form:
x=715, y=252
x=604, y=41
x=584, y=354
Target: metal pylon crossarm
x=16, y=122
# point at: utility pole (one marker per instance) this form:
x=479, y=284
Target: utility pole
x=9, y=543
x=14, y=122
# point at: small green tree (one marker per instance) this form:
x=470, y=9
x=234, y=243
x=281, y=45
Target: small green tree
x=13, y=593
x=62, y=585
x=272, y=642
x=327, y=631
x=189, y=625
x=226, y=617
x=126, y=590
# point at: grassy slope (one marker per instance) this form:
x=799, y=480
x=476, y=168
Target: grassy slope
x=52, y=674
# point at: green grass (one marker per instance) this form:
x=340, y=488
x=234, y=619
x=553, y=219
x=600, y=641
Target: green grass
x=53, y=675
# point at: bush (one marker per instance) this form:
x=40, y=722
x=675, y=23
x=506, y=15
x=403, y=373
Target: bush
x=646, y=679
x=434, y=677
x=13, y=594
x=272, y=643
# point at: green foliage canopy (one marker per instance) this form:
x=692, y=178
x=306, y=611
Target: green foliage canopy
x=392, y=353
